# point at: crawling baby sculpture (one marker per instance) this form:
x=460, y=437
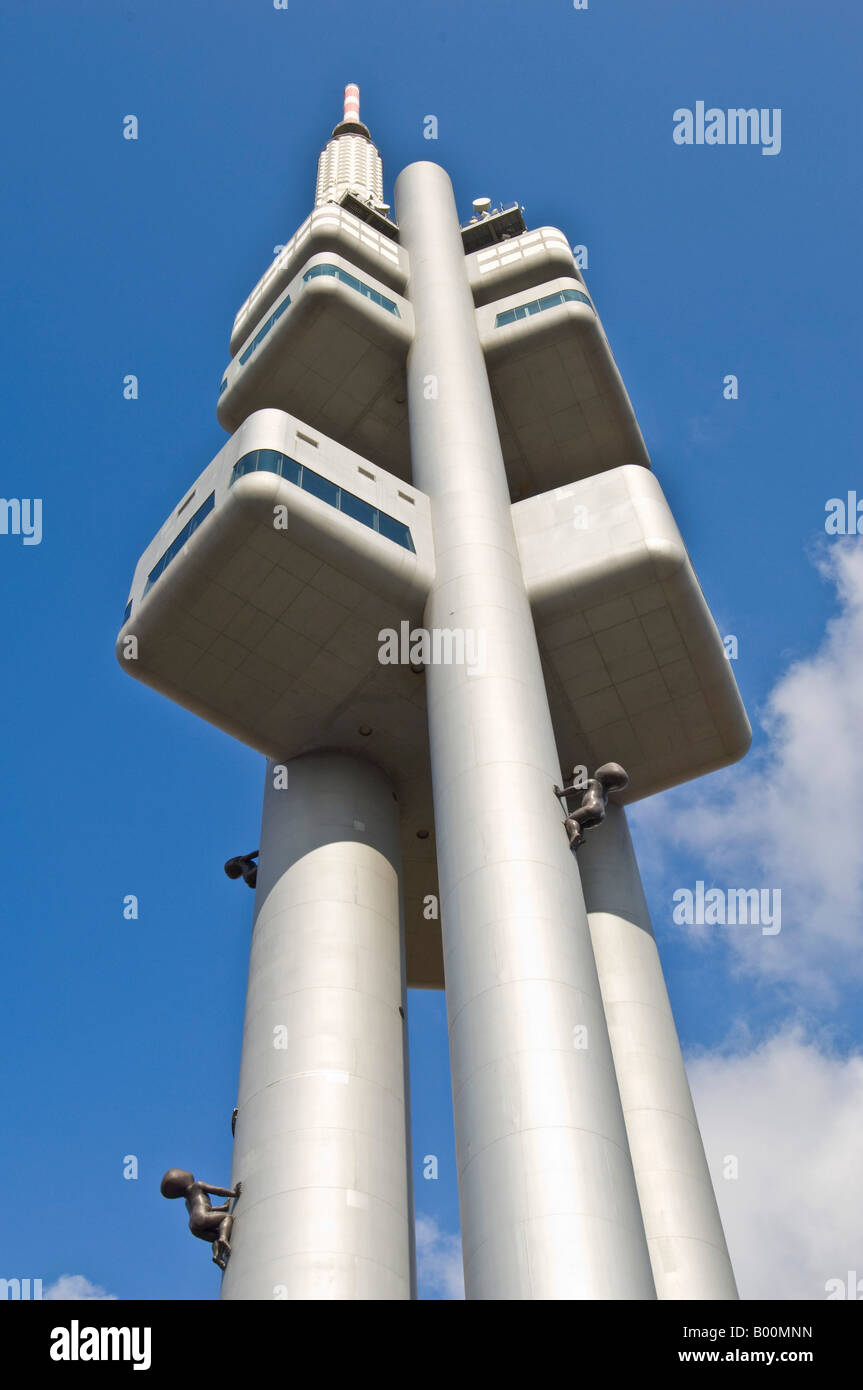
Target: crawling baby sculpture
x=205, y=1221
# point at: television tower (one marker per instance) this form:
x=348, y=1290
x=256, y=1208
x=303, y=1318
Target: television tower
x=430, y=568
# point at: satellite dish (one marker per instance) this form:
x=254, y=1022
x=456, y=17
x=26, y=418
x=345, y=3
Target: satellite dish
x=481, y=206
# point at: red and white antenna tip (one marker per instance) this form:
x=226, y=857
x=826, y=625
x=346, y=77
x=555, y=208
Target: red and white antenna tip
x=352, y=102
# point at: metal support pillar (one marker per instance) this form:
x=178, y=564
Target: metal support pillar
x=549, y=1208
x=681, y=1219
x=322, y=1147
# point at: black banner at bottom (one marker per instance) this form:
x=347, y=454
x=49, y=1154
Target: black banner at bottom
x=220, y=1339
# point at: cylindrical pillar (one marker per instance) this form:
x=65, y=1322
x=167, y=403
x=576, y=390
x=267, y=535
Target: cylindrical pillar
x=549, y=1208
x=321, y=1145
x=684, y=1233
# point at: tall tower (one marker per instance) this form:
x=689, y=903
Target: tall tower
x=430, y=568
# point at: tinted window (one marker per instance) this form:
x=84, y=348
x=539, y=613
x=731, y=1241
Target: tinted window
x=270, y=460
x=320, y=487
x=395, y=530
x=180, y=540
x=359, y=510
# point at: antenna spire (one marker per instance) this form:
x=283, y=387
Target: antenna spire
x=352, y=102
x=350, y=124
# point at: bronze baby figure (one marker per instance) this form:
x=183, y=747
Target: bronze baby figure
x=205, y=1221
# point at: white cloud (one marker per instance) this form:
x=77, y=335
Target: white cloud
x=75, y=1286
x=790, y=1112
x=791, y=816
x=439, y=1262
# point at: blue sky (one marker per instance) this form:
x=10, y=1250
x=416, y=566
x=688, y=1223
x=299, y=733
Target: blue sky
x=124, y=257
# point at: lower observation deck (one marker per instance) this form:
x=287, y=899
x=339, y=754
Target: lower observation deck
x=635, y=668
x=274, y=635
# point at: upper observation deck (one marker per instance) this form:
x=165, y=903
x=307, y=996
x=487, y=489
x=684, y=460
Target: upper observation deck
x=562, y=409
x=329, y=228
x=332, y=347
x=520, y=262
x=327, y=331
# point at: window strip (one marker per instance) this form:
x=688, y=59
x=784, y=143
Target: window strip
x=270, y=461
x=537, y=306
x=359, y=285
x=179, y=541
